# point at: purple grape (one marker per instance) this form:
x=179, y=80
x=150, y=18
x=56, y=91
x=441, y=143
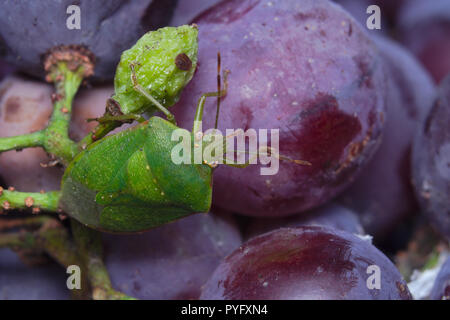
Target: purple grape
x=425, y=29
x=29, y=28
x=431, y=162
x=21, y=282
x=5, y=69
x=332, y=215
x=172, y=261
x=305, y=68
x=441, y=287
x=383, y=194
x=186, y=10
x=305, y=263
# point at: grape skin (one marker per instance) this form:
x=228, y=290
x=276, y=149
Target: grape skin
x=304, y=263
x=424, y=27
x=107, y=28
x=383, y=194
x=305, y=68
x=18, y=281
x=172, y=261
x=431, y=162
x=441, y=287
x=331, y=215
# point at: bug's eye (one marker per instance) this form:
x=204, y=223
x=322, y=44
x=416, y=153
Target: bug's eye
x=183, y=62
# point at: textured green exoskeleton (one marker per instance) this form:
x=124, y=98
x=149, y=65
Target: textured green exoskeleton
x=164, y=62
x=127, y=182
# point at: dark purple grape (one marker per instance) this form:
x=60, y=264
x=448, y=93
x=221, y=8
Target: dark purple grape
x=305, y=68
x=331, y=215
x=21, y=282
x=186, y=10
x=172, y=261
x=305, y=263
x=425, y=29
x=431, y=162
x=5, y=69
x=441, y=287
x=383, y=194
x=390, y=9
x=29, y=28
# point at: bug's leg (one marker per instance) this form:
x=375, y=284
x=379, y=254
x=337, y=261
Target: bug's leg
x=201, y=102
x=125, y=118
x=170, y=117
x=265, y=150
x=254, y=155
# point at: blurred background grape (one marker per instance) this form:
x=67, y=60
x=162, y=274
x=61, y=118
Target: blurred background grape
x=106, y=28
x=173, y=261
x=19, y=281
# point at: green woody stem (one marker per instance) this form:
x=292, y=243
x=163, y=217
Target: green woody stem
x=34, y=139
x=66, y=67
x=90, y=249
x=47, y=201
x=57, y=139
x=50, y=237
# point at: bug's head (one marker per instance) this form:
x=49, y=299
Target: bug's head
x=163, y=62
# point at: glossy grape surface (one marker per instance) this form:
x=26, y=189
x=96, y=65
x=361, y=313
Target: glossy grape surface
x=106, y=28
x=383, y=194
x=425, y=29
x=431, y=162
x=18, y=281
x=172, y=261
x=305, y=263
x=331, y=215
x=305, y=68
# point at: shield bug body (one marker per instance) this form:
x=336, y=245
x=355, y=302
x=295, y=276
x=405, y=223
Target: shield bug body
x=128, y=182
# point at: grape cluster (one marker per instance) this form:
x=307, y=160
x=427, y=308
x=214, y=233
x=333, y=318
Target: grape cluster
x=369, y=110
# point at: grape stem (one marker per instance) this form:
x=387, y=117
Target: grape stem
x=40, y=233
x=66, y=67
x=57, y=141
x=55, y=138
x=11, y=199
x=90, y=250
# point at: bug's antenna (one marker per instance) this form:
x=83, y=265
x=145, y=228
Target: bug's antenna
x=218, y=89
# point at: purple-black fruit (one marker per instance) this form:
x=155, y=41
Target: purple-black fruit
x=306, y=263
x=28, y=29
x=173, y=261
x=21, y=282
x=383, y=194
x=441, y=287
x=305, y=68
x=332, y=215
x=431, y=162
x=425, y=29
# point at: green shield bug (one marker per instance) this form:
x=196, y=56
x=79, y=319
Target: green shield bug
x=128, y=182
